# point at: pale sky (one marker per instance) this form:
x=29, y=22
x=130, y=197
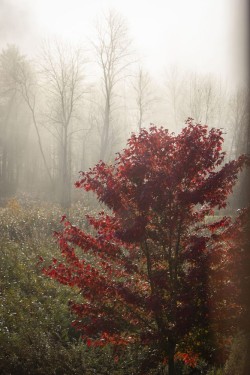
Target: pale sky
x=194, y=34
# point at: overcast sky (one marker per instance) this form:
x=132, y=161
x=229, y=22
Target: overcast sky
x=195, y=34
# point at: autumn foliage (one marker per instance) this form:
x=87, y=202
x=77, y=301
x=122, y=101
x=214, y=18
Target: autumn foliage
x=156, y=269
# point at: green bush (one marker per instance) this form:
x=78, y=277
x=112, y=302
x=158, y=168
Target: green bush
x=36, y=336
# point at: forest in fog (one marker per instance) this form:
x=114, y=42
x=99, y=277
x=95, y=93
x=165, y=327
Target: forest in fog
x=69, y=107
x=124, y=227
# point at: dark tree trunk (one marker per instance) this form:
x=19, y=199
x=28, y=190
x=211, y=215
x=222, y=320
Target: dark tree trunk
x=171, y=353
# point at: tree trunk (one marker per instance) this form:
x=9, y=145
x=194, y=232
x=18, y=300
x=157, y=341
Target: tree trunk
x=105, y=131
x=65, y=199
x=4, y=171
x=171, y=353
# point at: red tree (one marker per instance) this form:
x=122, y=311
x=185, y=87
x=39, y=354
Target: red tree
x=148, y=270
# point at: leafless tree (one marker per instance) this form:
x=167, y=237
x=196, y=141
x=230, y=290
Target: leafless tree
x=206, y=99
x=144, y=95
x=27, y=85
x=113, y=55
x=62, y=71
x=239, y=119
x=175, y=86
x=14, y=120
x=200, y=97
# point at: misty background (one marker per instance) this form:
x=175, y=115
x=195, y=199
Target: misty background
x=77, y=77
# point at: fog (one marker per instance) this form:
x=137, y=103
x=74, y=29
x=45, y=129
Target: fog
x=196, y=35
x=77, y=77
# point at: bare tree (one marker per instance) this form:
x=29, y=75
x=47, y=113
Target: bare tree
x=239, y=140
x=144, y=95
x=113, y=57
x=62, y=74
x=175, y=86
x=203, y=98
x=199, y=97
x=14, y=120
x=28, y=88
x=239, y=117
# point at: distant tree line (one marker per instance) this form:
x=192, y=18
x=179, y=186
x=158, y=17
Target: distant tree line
x=61, y=113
